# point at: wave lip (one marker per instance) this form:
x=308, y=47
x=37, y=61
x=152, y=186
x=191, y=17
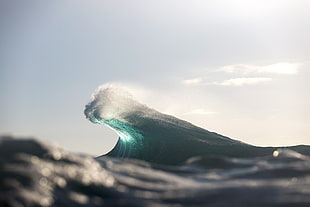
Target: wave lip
x=109, y=102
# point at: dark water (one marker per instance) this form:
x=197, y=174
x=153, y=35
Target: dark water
x=35, y=174
x=159, y=160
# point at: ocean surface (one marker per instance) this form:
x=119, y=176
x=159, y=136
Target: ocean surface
x=159, y=160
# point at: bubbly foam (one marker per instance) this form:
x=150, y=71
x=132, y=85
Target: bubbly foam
x=111, y=102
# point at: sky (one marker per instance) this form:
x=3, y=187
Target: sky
x=237, y=67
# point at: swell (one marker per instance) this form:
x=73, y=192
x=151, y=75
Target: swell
x=173, y=143
x=149, y=135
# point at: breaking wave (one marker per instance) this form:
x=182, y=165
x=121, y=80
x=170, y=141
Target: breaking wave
x=149, y=135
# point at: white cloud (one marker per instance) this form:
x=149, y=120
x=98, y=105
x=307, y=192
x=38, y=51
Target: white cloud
x=278, y=68
x=281, y=68
x=251, y=71
x=192, y=82
x=243, y=81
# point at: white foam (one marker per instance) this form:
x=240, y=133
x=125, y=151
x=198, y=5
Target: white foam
x=112, y=101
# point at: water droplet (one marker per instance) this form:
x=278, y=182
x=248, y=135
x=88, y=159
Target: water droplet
x=78, y=197
x=46, y=201
x=61, y=182
x=275, y=153
x=57, y=155
x=43, y=181
x=34, y=159
x=46, y=172
x=110, y=181
x=86, y=180
x=71, y=172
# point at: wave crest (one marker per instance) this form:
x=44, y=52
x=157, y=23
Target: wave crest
x=112, y=102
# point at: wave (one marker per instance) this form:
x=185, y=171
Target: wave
x=208, y=169
x=149, y=135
